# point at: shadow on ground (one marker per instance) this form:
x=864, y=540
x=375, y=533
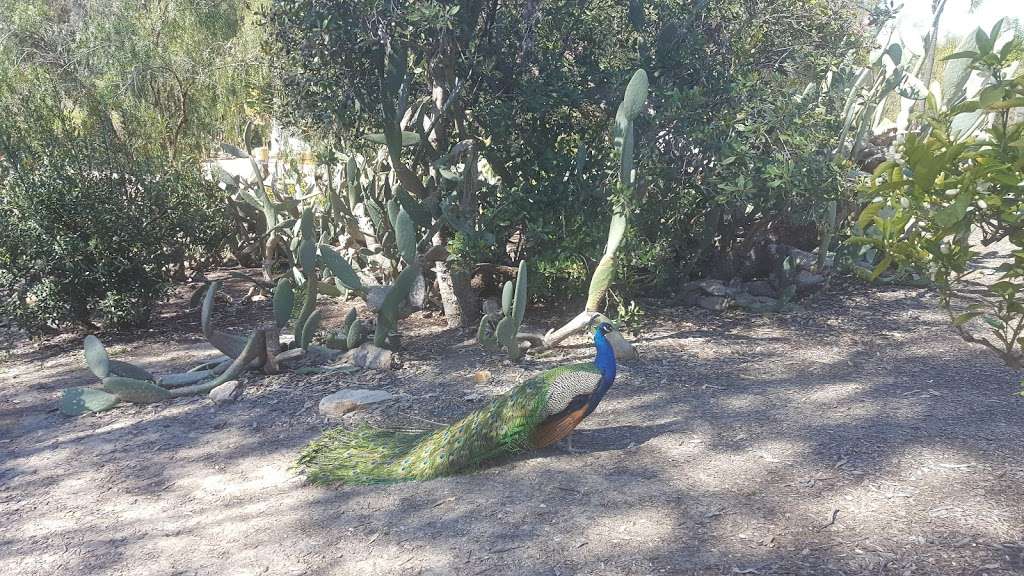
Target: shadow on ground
x=857, y=436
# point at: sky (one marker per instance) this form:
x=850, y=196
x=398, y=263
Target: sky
x=916, y=19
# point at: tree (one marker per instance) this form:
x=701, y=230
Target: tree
x=534, y=84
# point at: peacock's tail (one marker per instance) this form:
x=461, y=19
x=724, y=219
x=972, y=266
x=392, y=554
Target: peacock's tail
x=369, y=455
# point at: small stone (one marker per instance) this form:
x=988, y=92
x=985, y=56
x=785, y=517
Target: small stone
x=716, y=303
x=417, y=298
x=344, y=401
x=226, y=392
x=714, y=287
x=809, y=280
x=372, y=357
x=760, y=288
x=375, y=297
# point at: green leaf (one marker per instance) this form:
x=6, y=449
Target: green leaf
x=991, y=95
x=967, y=54
x=881, y=267
x=635, y=97
x=284, y=301
x=419, y=213
x=77, y=401
x=1004, y=288
x=994, y=322
x=306, y=225
x=307, y=259
x=405, y=235
x=519, y=305
x=955, y=212
x=507, y=294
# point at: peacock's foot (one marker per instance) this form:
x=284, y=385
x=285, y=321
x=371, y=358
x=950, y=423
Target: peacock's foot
x=565, y=445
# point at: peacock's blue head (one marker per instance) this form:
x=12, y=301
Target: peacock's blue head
x=604, y=328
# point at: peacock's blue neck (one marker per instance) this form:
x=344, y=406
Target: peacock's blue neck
x=605, y=360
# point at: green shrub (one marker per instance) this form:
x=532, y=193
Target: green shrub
x=726, y=148
x=90, y=238
x=953, y=187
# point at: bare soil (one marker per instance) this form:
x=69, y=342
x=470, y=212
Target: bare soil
x=857, y=435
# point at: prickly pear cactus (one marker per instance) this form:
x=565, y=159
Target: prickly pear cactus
x=284, y=300
x=355, y=334
x=135, y=391
x=77, y=401
x=501, y=332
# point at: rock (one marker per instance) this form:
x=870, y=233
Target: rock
x=714, y=287
x=757, y=303
x=690, y=297
x=761, y=288
x=375, y=297
x=716, y=303
x=417, y=298
x=482, y=377
x=800, y=258
x=226, y=392
x=372, y=357
x=624, y=351
x=344, y=401
x=808, y=281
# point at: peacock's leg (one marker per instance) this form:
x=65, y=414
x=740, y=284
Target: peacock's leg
x=565, y=445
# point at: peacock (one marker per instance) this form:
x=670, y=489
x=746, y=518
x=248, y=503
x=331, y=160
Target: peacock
x=539, y=412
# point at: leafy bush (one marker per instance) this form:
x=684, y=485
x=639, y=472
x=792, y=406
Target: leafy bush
x=82, y=240
x=961, y=176
x=87, y=229
x=726, y=150
x=108, y=108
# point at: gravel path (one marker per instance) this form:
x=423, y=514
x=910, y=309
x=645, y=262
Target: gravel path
x=856, y=436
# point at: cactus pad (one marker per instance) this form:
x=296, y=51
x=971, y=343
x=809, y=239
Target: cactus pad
x=78, y=401
x=96, y=357
x=137, y=391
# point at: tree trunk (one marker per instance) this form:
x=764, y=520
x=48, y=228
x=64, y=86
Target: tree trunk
x=458, y=299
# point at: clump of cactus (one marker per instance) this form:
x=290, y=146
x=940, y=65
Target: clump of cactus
x=126, y=382
x=349, y=335
x=500, y=332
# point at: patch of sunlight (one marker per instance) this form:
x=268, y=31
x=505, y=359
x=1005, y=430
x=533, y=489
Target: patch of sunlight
x=713, y=469
x=830, y=394
x=388, y=559
x=741, y=402
x=644, y=524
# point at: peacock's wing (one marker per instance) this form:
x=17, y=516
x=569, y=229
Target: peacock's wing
x=568, y=382
x=501, y=428
x=569, y=393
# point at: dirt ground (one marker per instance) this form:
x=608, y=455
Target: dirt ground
x=857, y=435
